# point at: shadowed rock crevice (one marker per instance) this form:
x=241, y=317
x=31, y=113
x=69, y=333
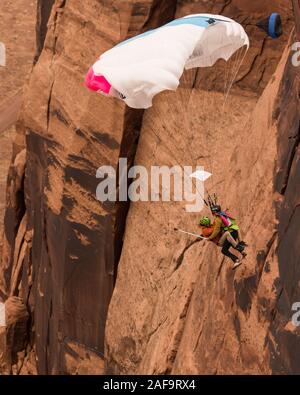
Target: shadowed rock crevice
x=133, y=120
x=44, y=8
x=180, y=259
x=294, y=144
x=15, y=213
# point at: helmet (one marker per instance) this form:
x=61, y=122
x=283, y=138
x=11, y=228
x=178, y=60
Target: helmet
x=216, y=209
x=205, y=221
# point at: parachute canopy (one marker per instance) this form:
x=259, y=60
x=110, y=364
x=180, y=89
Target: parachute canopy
x=272, y=25
x=139, y=68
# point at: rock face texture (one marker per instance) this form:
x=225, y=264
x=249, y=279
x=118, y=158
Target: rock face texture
x=111, y=287
x=17, y=25
x=61, y=245
x=284, y=342
x=194, y=315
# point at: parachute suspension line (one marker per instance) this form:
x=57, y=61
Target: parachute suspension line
x=232, y=67
x=176, y=161
x=227, y=75
x=188, y=120
x=186, y=148
x=233, y=63
x=207, y=102
x=188, y=115
x=229, y=66
x=239, y=61
x=212, y=131
x=231, y=71
x=209, y=106
x=190, y=77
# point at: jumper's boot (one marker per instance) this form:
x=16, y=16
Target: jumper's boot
x=237, y=263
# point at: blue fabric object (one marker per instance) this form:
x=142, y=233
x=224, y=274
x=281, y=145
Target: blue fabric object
x=272, y=25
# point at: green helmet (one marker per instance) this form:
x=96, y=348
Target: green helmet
x=205, y=221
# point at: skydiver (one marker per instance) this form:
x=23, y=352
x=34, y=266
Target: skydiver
x=208, y=229
x=228, y=224
x=225, y=237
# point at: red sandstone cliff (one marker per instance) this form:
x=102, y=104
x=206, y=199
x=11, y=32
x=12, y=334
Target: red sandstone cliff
x=91, y=282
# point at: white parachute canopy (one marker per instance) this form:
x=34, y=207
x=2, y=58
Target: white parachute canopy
x=143, y=66
x=2, y=55
x=201, y=175
x=2, y=315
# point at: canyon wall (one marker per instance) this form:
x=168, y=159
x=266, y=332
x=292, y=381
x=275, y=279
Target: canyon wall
x=17, y=25
x=185, y=310
x=111, y=287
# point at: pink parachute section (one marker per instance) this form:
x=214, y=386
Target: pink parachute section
x=97, y=83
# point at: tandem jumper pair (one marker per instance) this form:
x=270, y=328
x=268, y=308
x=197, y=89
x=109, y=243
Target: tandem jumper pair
x=223, y=231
